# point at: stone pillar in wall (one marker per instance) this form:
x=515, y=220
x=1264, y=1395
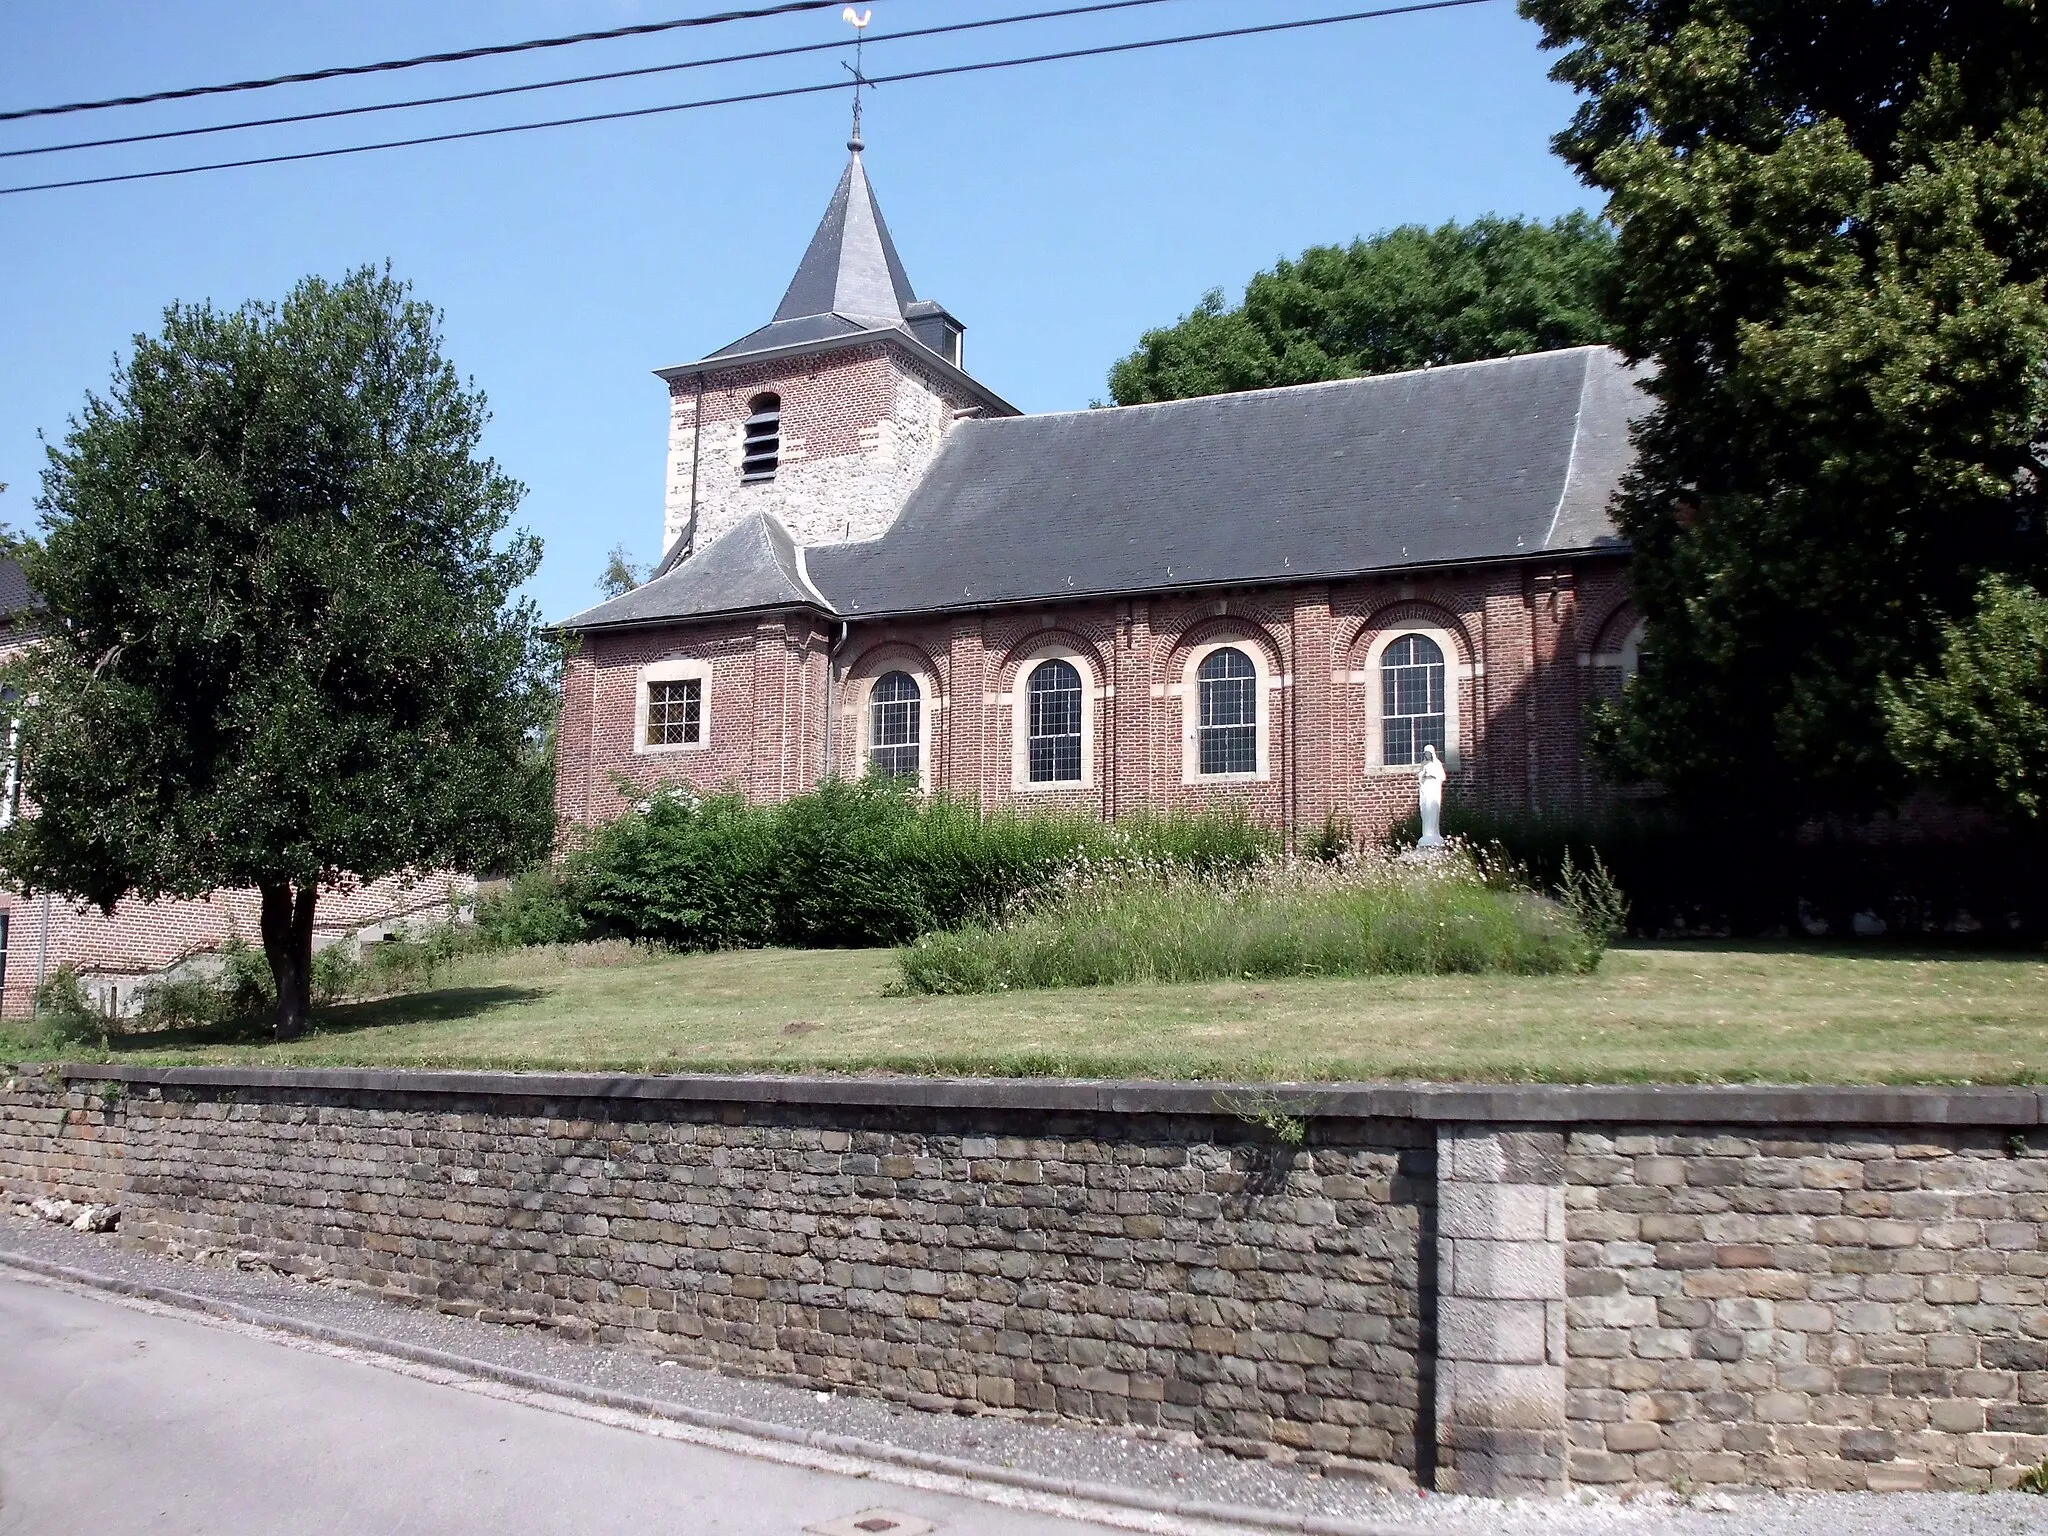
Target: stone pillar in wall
x=1500, y=1382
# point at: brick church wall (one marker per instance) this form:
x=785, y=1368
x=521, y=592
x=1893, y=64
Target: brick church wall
x=1523, y=650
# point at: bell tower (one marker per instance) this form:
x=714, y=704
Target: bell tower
x=827, y=415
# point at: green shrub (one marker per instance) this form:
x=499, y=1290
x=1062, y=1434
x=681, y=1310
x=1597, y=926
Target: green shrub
x=1947, y=878
x=64, y=1012
x=185, y=1002
x=337, y=973
x=693, y=875
x=246, y=985
x=1165, y=925
x=535, y=908
x=856, y=864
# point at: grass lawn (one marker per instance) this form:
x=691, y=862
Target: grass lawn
x=1667, y=1012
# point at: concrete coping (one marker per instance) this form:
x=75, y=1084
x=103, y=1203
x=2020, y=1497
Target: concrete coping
x=1530, y=1103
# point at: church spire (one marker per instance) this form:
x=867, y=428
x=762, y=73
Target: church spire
x=851, y=269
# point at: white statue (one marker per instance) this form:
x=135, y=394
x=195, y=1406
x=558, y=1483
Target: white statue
x=1432, y=800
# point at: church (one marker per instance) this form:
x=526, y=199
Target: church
x=1280, y=599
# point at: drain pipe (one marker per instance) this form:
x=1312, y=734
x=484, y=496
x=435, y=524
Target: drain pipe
x=832, y=666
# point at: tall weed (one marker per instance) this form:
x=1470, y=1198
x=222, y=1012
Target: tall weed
x=1164, y=924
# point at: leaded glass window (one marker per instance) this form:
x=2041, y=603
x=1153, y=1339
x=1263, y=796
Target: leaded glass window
x=1412, y=699
x=1229, y=687
x=895, y=725
x=675, y=713
x=1055, y=740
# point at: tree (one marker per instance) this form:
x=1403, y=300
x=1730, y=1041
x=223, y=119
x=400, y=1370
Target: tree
x=621, y=573
x=1830, y=235
x=285, y=650
x=1407, y=298
x=1978, y=723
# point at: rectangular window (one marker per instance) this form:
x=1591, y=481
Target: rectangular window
x=675, y=713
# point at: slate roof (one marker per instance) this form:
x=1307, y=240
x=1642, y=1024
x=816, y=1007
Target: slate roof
x=1482, y=461
x=16, y=600
x=753, y=567
x=1514, y=457
x=850, y=280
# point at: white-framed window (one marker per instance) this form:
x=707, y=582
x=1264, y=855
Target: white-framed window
x=1633, y=650
x=1411, y=677
x=10, y=776
x=1226, y=712
x=761, y=439
x=896, y=727
x=1052, y=719
x=672, y=708
x=1627, y=658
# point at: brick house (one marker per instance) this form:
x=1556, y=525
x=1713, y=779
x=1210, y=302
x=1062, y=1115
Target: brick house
x=1277, y=598
x=118, y=954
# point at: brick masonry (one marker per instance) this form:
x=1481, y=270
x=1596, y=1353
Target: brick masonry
x=1488, y=1290
x=1531, y=648
x=859, y=427
x=117, y=953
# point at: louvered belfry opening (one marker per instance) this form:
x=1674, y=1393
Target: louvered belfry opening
x=761, y=454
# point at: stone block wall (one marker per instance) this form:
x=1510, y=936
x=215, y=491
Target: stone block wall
x=1486, y=1290
x=1175, y=1273
x=1807, y=1307
x=61, y=1139
x=1500, y=1356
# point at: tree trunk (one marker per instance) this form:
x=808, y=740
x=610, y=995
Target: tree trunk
x=287, y=923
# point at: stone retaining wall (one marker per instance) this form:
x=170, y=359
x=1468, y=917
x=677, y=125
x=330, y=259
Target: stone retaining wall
x=1806, y=1307
x=61, y=1139
x=1484, y=1290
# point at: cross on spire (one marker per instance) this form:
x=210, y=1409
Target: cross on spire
x=858, y=20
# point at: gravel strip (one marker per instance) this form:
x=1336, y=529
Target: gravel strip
x=1154, y=1470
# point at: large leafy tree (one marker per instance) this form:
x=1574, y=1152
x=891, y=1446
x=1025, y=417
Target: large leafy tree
x=1407, y=298
x=1977, y=724
x=285, y=648
x=1833, y=237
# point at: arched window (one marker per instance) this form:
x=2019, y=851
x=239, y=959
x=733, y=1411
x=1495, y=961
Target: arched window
x=1055, y=740
x=895, y=726
x=1412, y=699
x=1633, y=650
x=1229, y=686
x=761, y=453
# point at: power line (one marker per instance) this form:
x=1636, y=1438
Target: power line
x=548, y=85
x=490, y=51
x=729, y=101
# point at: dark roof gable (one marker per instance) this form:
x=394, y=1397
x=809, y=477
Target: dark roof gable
x=752, y=567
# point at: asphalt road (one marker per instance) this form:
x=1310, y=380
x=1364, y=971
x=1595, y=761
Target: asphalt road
x=116, y=1420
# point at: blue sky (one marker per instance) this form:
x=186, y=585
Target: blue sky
x=1059, y=211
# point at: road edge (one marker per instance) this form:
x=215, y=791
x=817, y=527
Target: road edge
x=1105, y=1496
